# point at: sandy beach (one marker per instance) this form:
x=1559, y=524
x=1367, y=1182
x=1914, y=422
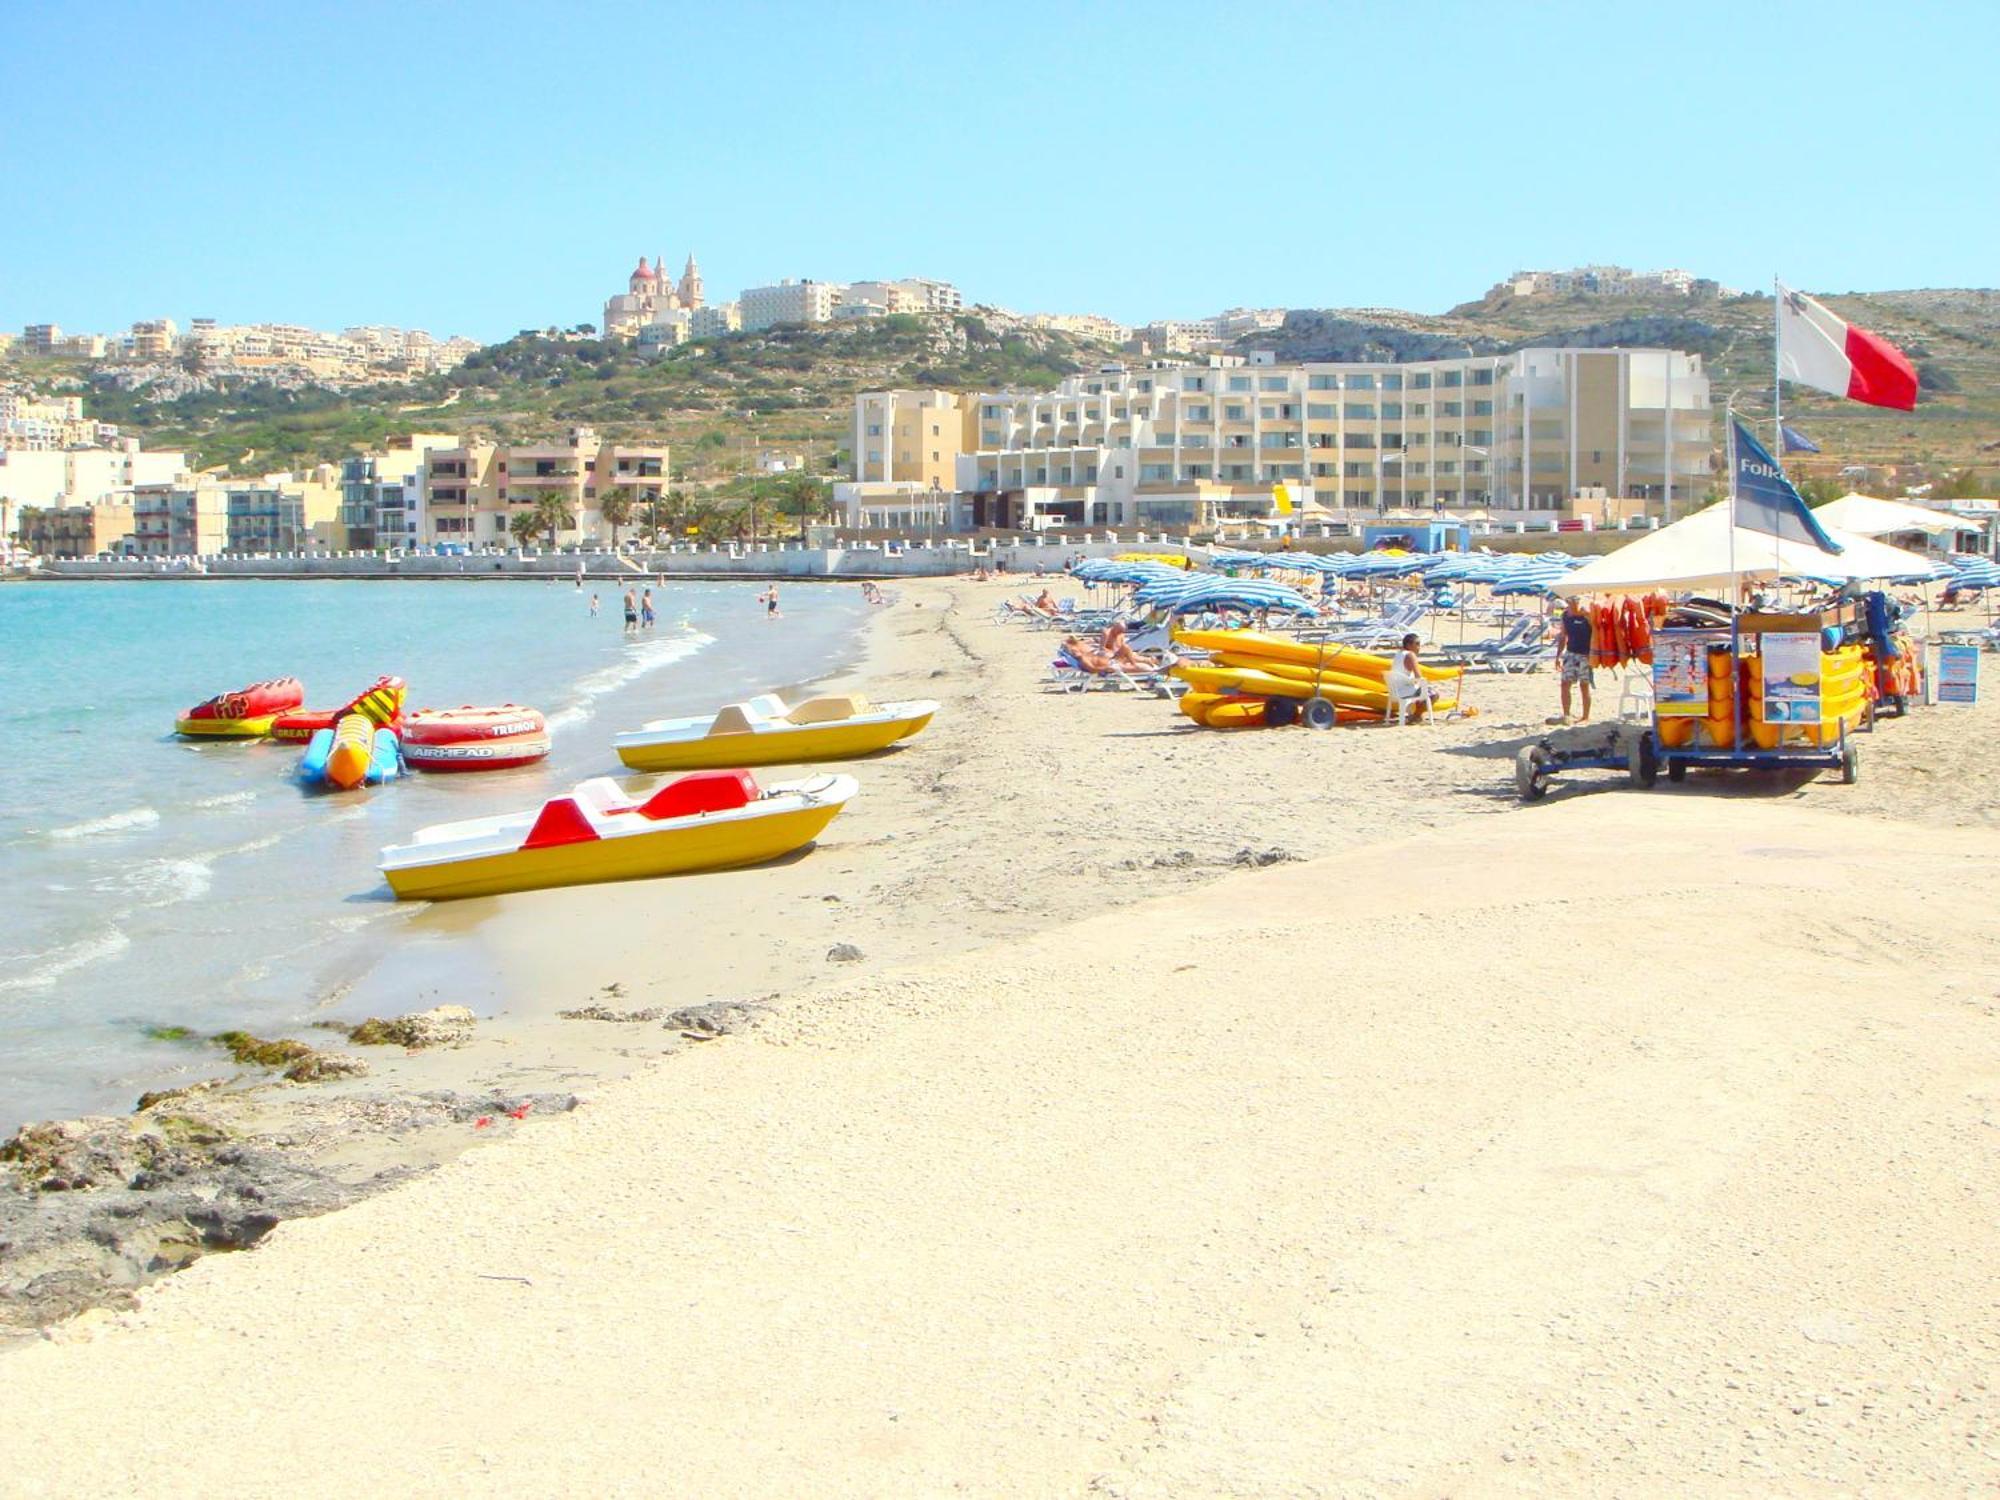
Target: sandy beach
x=1256, y=1114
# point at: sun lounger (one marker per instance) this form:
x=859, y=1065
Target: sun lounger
x=1069, y=674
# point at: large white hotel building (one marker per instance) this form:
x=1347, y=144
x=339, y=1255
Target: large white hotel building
x=1172, y=446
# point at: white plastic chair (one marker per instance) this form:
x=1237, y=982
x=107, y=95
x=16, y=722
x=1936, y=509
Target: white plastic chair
x=1404, y=691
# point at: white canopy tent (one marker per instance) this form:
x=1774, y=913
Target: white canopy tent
x=1695, y=553
x=1864, y=515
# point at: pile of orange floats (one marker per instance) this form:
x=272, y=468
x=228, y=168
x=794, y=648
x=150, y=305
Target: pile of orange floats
x=474, y=739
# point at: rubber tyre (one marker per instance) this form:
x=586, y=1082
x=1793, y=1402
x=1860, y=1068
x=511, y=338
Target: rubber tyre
x=1279, y=712
x=1531, y=773
x=1642, y=761
x=1677, y=769
x=1850, y=765
x=1319, y=714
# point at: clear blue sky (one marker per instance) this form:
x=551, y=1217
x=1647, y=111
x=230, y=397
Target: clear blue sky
x=479, y=168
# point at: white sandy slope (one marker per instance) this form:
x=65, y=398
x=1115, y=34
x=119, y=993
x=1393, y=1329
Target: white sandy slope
x=1629, y=1145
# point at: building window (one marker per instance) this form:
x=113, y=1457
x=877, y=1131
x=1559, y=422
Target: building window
x=1393, y=409
x=1450, y=379
x=1392, y=381
x=1239, y=382
x=1197, y=414
x=1194, y=383
x=1323, y=382
x=1420, y=380
x=874, y=430
x=1451, y=408
x=1235, y=414
x=1195, y=471
x=1360, y=409
x=1482, y=408
x=1320, y=411
x=1273, y=383
x=1361, y=382
x=1482, y=377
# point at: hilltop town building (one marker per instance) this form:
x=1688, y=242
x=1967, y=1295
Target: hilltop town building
x=1170, y=446
x=1610, y=281
x=827, y=301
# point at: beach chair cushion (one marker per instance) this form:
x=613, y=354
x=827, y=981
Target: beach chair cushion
x=701, y=792
x=827, y=710
x=732, y=718
x=560, y=821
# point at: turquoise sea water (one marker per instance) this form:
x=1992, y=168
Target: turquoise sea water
x=150, y=881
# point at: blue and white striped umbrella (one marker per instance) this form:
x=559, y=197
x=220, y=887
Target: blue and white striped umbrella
x=1980, y=574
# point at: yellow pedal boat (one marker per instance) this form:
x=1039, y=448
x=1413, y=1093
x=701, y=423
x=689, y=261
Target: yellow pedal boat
x=764, y=732
x=713, y=820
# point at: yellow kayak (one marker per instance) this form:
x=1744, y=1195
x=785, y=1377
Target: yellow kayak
x=1268, y=649
x=764, y=732
x=713, y=820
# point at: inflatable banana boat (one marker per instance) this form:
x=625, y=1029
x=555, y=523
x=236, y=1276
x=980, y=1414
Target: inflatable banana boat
x=353, y=753
x=381, y=702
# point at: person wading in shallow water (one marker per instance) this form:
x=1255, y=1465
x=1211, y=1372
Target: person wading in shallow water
x=631, y=610
x=770, y=598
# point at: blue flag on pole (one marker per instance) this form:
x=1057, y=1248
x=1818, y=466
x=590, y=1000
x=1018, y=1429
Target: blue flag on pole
x=1765, y=500
x=1796, y=441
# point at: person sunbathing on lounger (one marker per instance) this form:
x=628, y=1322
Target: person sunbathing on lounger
x=1096, y=659
x=1115, y=645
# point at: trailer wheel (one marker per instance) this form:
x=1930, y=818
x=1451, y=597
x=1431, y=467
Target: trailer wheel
x=1319, y=714
x=1278, y=712
x=1850, y=765
x=1642, y=761
x=1677, y=769
x=1531, y=773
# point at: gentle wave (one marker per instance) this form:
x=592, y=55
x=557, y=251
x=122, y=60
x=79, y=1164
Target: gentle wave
x=108, y=943
x=641, y=657
x=136, y=817
x=227, y=799
x=162, y=882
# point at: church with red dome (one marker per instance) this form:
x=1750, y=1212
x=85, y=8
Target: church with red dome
x=652, y=297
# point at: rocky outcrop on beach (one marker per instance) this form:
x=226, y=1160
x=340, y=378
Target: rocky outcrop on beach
x=91, y=1209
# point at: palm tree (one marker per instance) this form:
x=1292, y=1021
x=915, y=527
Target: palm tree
x=552, y=514
x=616, y=508
x=525, y=526
x=800, y=494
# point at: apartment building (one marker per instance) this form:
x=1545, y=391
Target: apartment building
x=827, y=301
x=382, y=494
x=180, y=520
x=284, y=513
x=1169, y=446
x=472, y=491
x=71, y=531
x=84, y=476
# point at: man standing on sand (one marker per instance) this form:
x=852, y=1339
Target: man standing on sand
x=1574, y=642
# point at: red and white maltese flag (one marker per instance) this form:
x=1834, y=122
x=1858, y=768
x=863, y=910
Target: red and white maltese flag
x=1816, y=348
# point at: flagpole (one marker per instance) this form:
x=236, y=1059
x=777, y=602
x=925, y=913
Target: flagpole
x=1777, y=397
x=1735, y=599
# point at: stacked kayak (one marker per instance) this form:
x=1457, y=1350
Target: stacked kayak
x=381, y=703
x=246, y=714
x=355, y=752
x=475, y=739
x=1248, y=672
x=764, y=732
x=712, y=820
